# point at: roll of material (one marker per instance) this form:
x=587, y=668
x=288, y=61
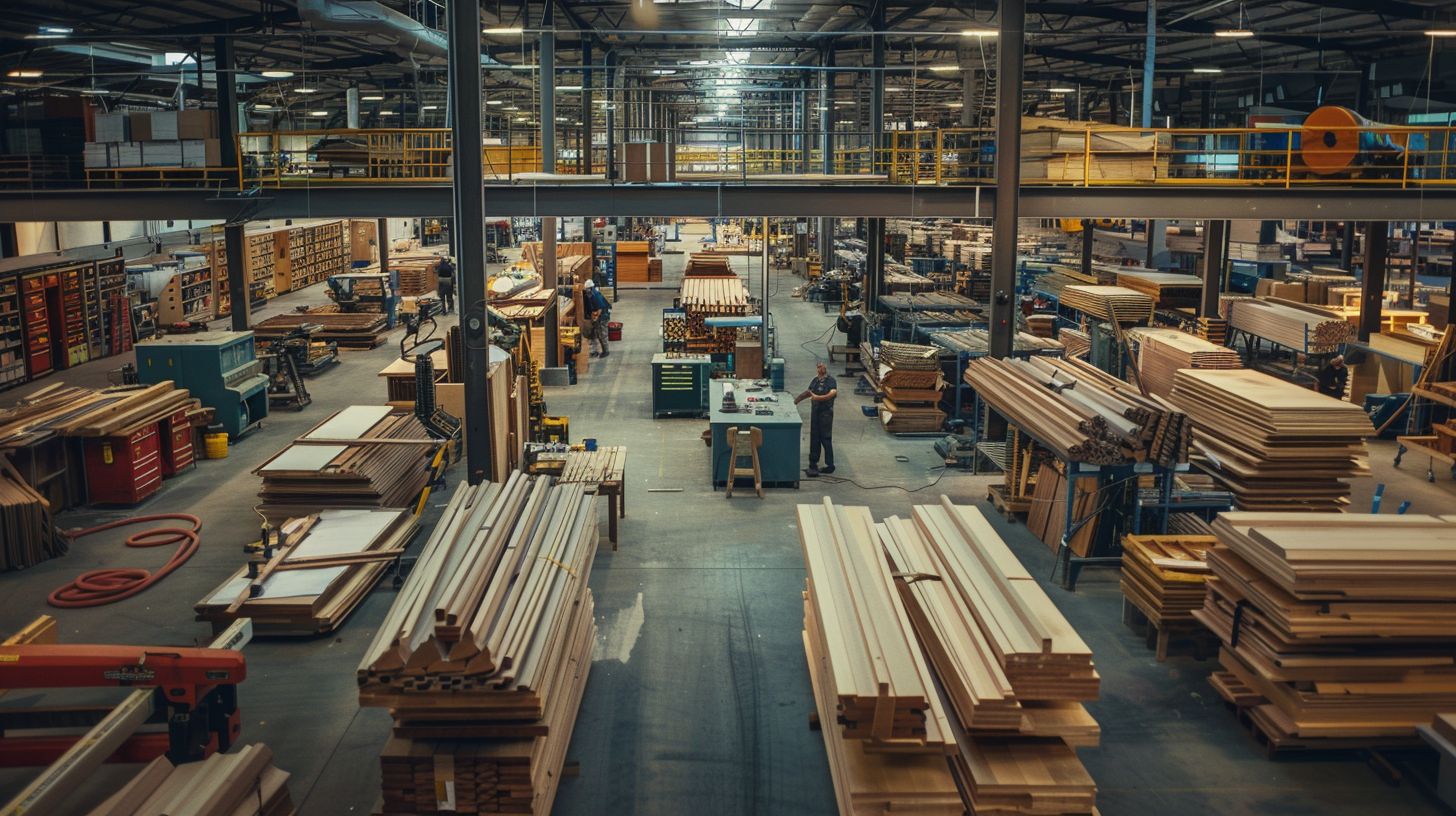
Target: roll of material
x=1332, y=140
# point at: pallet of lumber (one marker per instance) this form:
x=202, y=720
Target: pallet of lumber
x=713, y=295
x=1213, y=329
x=977, y=341
x=322, y=577
x=708, y=264
x=909, y=377
x=1167, y=290
x=241, y=782
x=1308, y=329
x=361, y=330
x=1081, y=413
x=1162, y=352
x=632, y=261
x=1106, y=301
x=27, y=530
x=1276, y=445
x=361, y=456
x=1163, y=575
x=1076, y=342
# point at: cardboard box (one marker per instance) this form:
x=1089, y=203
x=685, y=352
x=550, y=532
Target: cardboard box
x=141, y=126
x=96, y=155
x=128, y=154
x=113, y=127
x=162, y=154
x=197, y=124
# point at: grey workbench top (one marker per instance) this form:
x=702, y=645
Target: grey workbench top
x=784, y=411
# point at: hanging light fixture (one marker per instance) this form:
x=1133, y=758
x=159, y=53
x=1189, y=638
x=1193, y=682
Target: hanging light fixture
x=1238, y=32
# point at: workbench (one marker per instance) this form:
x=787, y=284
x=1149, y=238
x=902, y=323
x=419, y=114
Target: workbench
x=779, y=456
x=606, y=470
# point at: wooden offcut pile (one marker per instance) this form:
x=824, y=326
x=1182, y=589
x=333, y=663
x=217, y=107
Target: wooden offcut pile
x=1344, y=624
x=1277, y=446
x=362, y=456
x=1083, y=414
x=488, y=645
x=909, y=378
x=241, y=782
x=1298, y=326
x=361, y=330
x=1107, y=302
x=1162, y=352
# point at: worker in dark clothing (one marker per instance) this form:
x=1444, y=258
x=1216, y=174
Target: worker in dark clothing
x=446, y=285
x=821, y=391
x=598, y=314
x=1332, y=377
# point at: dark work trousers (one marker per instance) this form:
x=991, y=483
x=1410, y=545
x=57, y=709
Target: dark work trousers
x=446, y=290
x=821, y=431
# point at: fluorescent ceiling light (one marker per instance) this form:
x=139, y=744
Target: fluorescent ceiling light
x=511, y=108
x=895, y=89
x=516, y=30
x=567, y=88
x=263, y=107
x=561, y=119
x=25, y=74
x=1234, y=33
x=665, y=71
x=980, y=32
x=372, y=98
x=386, y=113
x=1442, y=32
x=700, y=62
x=301, y=89
x=429, y=107
x=318, y=113
x=495, y=102
x=1207, y=70
x=55, y=30
x=277, y=74
x=955, y=104
x=1062, y=90
x=945, y=68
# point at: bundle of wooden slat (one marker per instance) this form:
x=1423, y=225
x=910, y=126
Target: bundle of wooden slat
x=1298, y=326
x=1164, y=575
x=318, y=579
x=362, y=456
x=1345, y=624
x=349, y=330
x=875, y=673
x=1047, y=518
x=1081, y=413
x=718, y=296
x=708, y=264
x=1076, y=341
x=632, y=257
x=63, y=411
x=1277, y=446
x=1162, y=352
x=27, y=531
x=1167, y=289
x=594, y=467
x=909, y=377
x=241, y=782
x=1057, y=277
x=1105, y=301
x=930, y=301
x=1226, y=304
x=977, y=341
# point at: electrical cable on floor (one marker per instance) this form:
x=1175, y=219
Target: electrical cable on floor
x=804, y=345
x=837, y=480
x=105, y=586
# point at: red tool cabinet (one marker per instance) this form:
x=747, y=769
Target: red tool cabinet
x=177, y=452
x=124, y=469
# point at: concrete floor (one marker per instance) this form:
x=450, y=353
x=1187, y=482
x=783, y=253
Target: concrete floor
x=699, y=697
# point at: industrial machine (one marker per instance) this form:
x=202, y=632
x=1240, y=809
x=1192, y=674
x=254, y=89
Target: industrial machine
x=288, y=358
x=356, y=292
x=221, y=369
x=957, y=451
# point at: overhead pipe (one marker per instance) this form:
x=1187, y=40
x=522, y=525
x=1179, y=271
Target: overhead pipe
x=410, y=36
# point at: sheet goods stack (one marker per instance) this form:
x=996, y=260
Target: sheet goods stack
x=1107, y=302
x=27, y=531
x=361, y=330
x=1057, y=277
x=327, y=562
x=1213, y=329
x=1167, y=289
x=489, y=641
x=708, y=264
x=976, y=341
x=632, y=261
x=1162, y=352
x=1277, y=446
x=1061, y=150
x=1047, y=518
x=241, y=782
x=887, y=742
x=1163, y=575
x=1345, y=624
x=909, y=377
x=362, y=456
x=1081, y=413
x=1012, y=672
x=1078, y=344
x=1294, y=325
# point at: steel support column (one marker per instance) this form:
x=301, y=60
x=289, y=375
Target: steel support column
x=235, y=242
x=1088, y=236
x=468, y=229
x=1347, y=245
x=826, y=112
x=548, y=97
x=610, y=66
x=1009, y=56
x=876, y=125
x=381, y=241
x=1215, y=258
x=1372, y=284
x=1150, y=53
x=227, y=99
x=874, y=284
x=587, y=78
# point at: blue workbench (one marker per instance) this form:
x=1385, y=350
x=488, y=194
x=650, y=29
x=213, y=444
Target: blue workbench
x=779, y=457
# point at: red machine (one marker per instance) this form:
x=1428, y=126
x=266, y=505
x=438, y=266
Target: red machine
x=196, y=696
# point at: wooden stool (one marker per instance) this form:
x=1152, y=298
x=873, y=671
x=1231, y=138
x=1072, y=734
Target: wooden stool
x=745, y=446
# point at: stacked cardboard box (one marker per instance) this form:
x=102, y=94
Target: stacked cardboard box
x=186, y=138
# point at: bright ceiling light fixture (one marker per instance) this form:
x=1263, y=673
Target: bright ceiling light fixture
x=980, y=32
x=429, y=107
x=1441, y=32
x=700, y=62
x=1233, y=33
x=386, y=113
x=1207, y=70
x=372, y=98
x=301, y=89
x=507, y=30
x=277, y=74
x=20, y=74
x=944, y=68
x=495, y=102
x=263, y=107
x=665, y=71
x=318, y=113
x=1062, y=90
x=567, y=88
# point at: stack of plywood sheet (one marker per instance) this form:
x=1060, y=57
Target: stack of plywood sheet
x=1213, y=329
x=1167, y=289
x=632, y=258
x=1105, y=301
x=1162, y=352
x=363, y=330
x=909, y=377
x=1303, y=328
x=488, y=646
x=27, y=531
x=240, y=782
x=362, y=456
x=1344, y=624
x=1062, y=150
x=1277, y=446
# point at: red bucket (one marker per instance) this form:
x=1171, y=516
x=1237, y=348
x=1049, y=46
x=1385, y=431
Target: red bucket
x=614, y=331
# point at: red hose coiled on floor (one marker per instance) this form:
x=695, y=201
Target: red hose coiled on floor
x=106, y=586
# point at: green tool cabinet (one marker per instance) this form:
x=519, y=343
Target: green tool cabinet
x=680, y=385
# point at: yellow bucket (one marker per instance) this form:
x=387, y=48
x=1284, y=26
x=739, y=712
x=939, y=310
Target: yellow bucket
x=217, y=446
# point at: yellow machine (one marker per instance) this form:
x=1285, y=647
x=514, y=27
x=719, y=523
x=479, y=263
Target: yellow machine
x=554, y=429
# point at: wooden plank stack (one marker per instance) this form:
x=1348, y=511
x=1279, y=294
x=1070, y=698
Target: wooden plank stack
x=362, y=456
x=909, y=378
x=632, y=261
x=1167, y=290
x=1077, y=342
x=702, y=296
x=322, y=577
x=708, y=264
x=1081, y=413
x=241, y=782
x=27, y=531
x=1344, y=624
x=1105, y=301
x=977, y=341
x=1163, y=575
x=1277, y=446
x=1047, y=518
x=1309, y=329
x=361, y=330
x=489, y=642
x=1162, y=352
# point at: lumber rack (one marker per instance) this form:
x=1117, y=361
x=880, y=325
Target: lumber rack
x=1298, y=371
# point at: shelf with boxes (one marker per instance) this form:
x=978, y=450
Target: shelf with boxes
x=169, y=139
x=12, y=336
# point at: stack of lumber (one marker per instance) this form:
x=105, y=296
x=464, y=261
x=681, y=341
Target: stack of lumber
x=594, y=467
x=1213, y=329
x=571, y=256
x=930, y=302
x=909, y=378
x=1163, y=352
x=361, y=330
x=1301, y=327
x=708, y=264
x=68, y=411
x=904, y=280
x=1047, y=518
x=1011, y=671
x=27, y=531
x=702, y=296
x=1106, y=301
x=1061, y=150
x=1167, y=289
x=1254, y=251
x=977, y=341
x=318, y=576
x=1277, y=446
x=1081, y=413
x=1344, y=624
x=632, y=257
x=362, y=456
x=1041, y=325
x=1325, y=285
x=1163, y=575
x=242, y=782
x=488, y=645
x=1058, y=277
x=1226, y=304
x=1076, y=341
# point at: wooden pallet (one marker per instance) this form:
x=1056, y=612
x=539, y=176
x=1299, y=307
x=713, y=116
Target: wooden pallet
x=996, y=495
x=1160, y=636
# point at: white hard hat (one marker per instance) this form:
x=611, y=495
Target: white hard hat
x=589, y=285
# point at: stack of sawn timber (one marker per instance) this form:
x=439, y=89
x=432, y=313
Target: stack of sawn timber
x=27, y=530
x=909, y=378
x=362, y=456
x=1012, y=672
x=702, y=296
x=359, y=330
x=1163, y=575
x=978, y=341
x=1106, y=301
x=1167, y=289
x=1345, y=624
x=632, y=261
x=1277, y=446
x=242, y=783
x=1080, y=412
x=1162, y=352
x=1298, y=326
x=487, y=647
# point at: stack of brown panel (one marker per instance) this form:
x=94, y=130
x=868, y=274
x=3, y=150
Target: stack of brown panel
x=1162, y=352
x=632, y=261
x=362, y=456
x=1105, y=301
x=363, y=330
x=909, y=378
